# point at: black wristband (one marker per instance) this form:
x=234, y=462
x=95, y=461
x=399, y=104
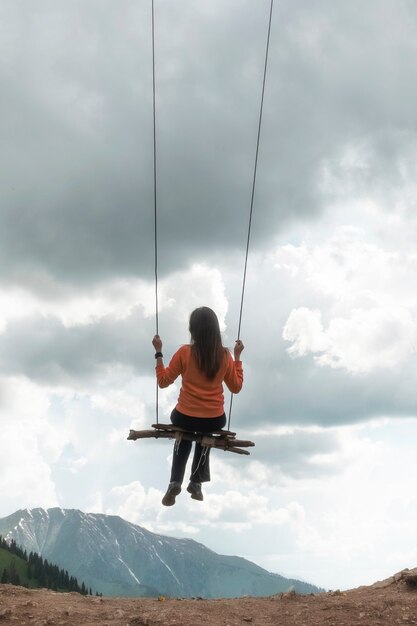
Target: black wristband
x=158, y=354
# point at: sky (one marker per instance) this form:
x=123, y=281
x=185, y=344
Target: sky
x=329, y=320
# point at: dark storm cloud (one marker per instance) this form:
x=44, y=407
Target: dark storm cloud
x=76, y=165
x=298, y=454
x=279, y=391
x=46, y=351
x=303, y=393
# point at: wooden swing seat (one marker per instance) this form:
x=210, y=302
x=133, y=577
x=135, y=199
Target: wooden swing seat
x=221, y=439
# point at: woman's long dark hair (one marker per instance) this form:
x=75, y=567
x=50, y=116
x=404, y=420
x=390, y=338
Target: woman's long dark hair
x=206, y=347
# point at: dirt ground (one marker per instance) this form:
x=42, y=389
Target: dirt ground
x=389, y=602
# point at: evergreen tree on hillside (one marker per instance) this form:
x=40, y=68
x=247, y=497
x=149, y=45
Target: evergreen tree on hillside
x=14, y=577
x=40, y=570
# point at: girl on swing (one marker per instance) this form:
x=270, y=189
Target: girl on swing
x=203, y=364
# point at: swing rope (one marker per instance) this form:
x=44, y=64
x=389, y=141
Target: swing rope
x=251, y=203
x=253, y=190
x=155, y=201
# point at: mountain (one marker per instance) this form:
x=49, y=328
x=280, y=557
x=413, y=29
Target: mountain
x=122, y=559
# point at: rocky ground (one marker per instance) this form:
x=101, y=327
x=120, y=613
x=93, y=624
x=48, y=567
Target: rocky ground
x=390, y=602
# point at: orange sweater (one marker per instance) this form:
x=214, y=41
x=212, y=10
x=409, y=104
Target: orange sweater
x=199, y=396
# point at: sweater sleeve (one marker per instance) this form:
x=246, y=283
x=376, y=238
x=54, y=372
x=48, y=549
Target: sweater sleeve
x=167, y=375
x=234, y=375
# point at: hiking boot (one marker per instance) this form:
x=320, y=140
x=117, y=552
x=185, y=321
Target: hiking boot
x=195, y=490
x=173, y=490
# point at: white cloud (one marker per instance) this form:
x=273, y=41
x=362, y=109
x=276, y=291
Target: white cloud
x=133, y=502
x=367, y=340
x=121, y=400
x=240, y=511
x=305, y=330
x=76, y=464
x=364, y=312
x=114, y=299
x=200, y=285
x=95, y=503
x=29, y=445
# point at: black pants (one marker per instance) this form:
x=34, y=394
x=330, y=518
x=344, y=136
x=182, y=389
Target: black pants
x=200, y=470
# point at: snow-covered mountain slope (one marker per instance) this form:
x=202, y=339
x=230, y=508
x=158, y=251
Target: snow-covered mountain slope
x=116, y=557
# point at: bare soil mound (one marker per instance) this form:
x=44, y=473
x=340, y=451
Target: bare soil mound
x=389, y=602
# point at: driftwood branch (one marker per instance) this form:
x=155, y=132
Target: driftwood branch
x=222, y=439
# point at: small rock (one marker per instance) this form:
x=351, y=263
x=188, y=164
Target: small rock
x=5, y=613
